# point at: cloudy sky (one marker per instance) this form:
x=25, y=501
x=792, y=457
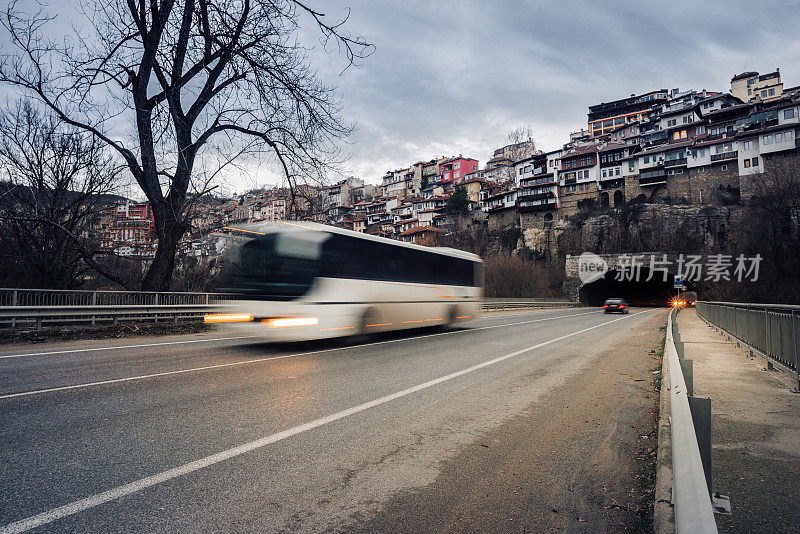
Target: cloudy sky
x=455, y=77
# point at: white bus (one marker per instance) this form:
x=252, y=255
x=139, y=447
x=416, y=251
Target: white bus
x=296, y=281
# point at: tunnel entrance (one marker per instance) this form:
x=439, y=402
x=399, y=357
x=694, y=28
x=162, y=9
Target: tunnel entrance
x=655, y=292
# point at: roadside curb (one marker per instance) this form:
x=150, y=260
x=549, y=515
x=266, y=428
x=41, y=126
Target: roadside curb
x=663, y=512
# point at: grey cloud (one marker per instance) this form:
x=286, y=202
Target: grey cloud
x=451, y=77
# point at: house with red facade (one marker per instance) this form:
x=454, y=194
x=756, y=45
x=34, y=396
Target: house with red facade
x=456, y=168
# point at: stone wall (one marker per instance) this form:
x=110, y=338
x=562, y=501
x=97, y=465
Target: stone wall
x=502, y=218
x=715, y=184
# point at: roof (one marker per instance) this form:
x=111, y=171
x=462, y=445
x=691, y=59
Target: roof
x=758, y=131
x=744, y=75
x=581, y=150
x=614, y=146
x=665, y=148
x=423, y=229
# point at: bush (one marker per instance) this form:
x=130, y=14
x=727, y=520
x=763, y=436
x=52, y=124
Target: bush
x=510, y=276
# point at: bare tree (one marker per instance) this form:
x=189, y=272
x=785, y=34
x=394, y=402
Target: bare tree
x=56, y=181
x=769, y=226
x=202, y=82
x=520, y=143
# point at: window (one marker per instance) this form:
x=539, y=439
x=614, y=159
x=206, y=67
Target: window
x=779, y=137
x=746, y=163
x=749, y=91
x=701, y=169
x=701, y=129
x=772, y=92
x=763, y=94
x=788, y=113
x=755, y=162
x=766, y=140
x=701, y=152
x=724, y=167
x=787, y=136
x=747, y=145
x=618, y=171
x=646, y=159
x=604, y=173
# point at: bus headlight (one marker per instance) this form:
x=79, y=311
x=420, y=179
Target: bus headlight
x=280, y=322
x=227, y=318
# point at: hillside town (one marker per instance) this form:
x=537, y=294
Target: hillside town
x=692, y=147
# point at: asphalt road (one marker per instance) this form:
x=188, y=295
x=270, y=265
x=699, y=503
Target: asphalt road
x=206, y=434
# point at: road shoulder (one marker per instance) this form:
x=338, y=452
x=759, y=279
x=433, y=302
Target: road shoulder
x=571, y=462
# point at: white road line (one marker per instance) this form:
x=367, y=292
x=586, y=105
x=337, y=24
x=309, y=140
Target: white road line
x=258, y=360
x=163, y=343
x=95, y=349
x=127, y=489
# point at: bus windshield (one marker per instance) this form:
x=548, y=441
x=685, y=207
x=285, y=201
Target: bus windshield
x=271, y=267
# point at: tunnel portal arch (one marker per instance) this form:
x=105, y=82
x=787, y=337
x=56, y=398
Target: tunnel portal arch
x=653, y=292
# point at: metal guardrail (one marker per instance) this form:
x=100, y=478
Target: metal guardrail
x=78, y=297
x=37, y=307
x=39, y=315
x=690, y=496
x=772, y=329
x=516, y=304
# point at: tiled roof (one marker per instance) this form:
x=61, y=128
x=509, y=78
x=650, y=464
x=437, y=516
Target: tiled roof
x=421, y=229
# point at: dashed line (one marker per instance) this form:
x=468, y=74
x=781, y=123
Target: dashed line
x=118, y=492
x=266, y=359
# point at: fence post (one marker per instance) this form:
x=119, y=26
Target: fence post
x=94, y=303
x=14, y=303
x=766, y=334
x=794, y=347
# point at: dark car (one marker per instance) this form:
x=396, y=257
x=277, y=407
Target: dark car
x=615, y=305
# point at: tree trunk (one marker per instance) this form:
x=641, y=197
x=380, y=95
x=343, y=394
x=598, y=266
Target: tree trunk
x=169, y=232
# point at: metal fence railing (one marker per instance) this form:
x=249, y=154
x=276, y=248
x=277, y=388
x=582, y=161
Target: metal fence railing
x=772, y=329
x=39, y=307
x=56, y=297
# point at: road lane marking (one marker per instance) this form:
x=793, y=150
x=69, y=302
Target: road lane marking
x=95, y=349
x=113, y=494
x=165, y=343
x=259, y=360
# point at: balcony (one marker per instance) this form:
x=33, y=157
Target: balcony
x=539, y=196
x=658, y=176
x=537, y=207
x=675, y=162
x=725, y=156
x=611, y=184
x=655, y=180
x=539, y=181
